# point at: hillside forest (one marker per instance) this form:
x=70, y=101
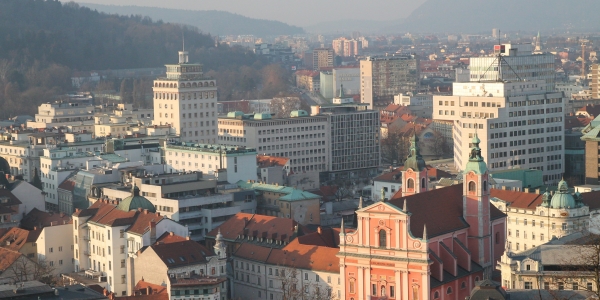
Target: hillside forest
x=42, y=43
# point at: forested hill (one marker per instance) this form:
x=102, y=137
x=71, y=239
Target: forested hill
x=82, y=39
x=209, y=21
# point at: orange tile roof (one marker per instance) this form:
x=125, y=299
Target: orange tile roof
x=264, y=161
x=7, y=258
x=16, y=238
x=144, y=285
x=440, y=209
x=107, y=213
x=260, y=226
x=169, y=237
x=326, y=237
x=41, y=219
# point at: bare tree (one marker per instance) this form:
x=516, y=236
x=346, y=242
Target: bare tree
x=289, y=284
x=25, y=269
x=282, y=107
x=394, y=146
x=439, y=144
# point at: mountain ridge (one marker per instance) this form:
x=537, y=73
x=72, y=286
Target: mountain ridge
x=215, y=22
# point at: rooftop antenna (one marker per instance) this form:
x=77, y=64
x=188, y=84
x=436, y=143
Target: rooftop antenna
x=499, y=60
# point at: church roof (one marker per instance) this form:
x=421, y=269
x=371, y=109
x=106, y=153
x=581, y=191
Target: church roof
x=476, y=163
x=440, y=209
x=414, y=160
x=135, y=201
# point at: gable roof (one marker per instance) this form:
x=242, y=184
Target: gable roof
x=169, y=237
x=265, y=161
x=259, y=226
x=106, y=213
x=183, y=253
x=41, y=219
x=440, y=209
x=324, y=236
x=10, y=197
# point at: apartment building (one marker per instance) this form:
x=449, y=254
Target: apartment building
x=64, y=113
x=535, y=219
x=517, y=63
x=520, y=124
x=345, y=47
x=302, y=138
x=239, y=161
x=109, y=232
x=322, y=58
x=187, y=101
x=383, y=77
x=22, y=150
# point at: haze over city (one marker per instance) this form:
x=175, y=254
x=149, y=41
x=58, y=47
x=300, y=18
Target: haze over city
x=293, y=150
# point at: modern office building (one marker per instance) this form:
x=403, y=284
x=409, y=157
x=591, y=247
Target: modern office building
x=383, y=77
x=521, y=124
x=302, y=138
x=517, y=63
x=187, y=101
x=322, y=58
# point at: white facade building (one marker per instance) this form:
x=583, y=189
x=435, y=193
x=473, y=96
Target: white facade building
x=518, y=63
x=303, y=139
x=520, y=124
x=187, y=100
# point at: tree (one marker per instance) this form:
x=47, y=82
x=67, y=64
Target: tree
x=25, y=269
x=37, y=182
x=394, y=146
x=282, y=107
x=439, y=146
x=289, y=278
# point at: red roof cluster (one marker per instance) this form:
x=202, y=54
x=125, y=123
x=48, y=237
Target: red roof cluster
x=258, y=226
x=106, y=213
x=265, y=161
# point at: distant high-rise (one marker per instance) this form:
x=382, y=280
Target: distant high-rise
x=322, y=58
x=495, y=33
x=538, y=43
x=187, y=100
x=345, y=47
x=383, y=77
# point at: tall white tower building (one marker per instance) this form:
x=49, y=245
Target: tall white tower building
x=187, y=100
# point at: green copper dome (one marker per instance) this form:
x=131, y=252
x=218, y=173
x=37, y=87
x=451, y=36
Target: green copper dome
x=562, y=198
x=476, y=163
x=414, y=160
x=136, y=201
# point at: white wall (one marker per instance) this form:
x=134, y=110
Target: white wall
x=55, y=246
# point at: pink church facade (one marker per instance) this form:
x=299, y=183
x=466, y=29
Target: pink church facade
x=424, y=244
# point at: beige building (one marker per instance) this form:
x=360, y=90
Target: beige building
x=303, y=139
x=535, y=219
x=187, y=100
x=322, y=58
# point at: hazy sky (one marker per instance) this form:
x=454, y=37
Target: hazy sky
x=294, y=12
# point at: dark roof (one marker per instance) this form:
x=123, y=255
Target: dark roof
x=12, y=199
x=487, y=290
x=184, y=253
x=41, y=219
x=440, y=209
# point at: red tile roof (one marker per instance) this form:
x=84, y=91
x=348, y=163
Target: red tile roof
x=41, y=219
x=184, y=253
x=68, y=185
x=16, y=238
x=326, y=237
x=518, y=199
x=143, y=286
x=259, y=226
x=7, y=258
x=440, y=209
x=169, y=237
x=264, y=161
x=107, y=213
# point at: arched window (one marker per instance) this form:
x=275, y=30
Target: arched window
x=200, y=84
x=382, y=238
x=476, y=279
x=436, y=295
x=449, y=291
x=351, y=286
x=471, y=186
x=410, y=183
x=463, y=285
x=175, y=85
x=485, y=186
x=422, y=182
x=212, y=83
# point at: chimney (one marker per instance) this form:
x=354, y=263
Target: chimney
x=145, y=211
x=152, y=232
x=149, y=291
x=537, y=191
x=187, y=238
x=319, y=230
x=504, y=188
x=171, y=233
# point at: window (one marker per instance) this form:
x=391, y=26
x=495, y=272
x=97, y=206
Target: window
x=382, y=238
x=589, y=286
x=463, y=285
x=410, y=183
x=546, y=285
x=351, y=286
x=561, y=286
x=392, y=292
x=374, y=289
x=436, y=295
x=449, y=291
x=471, y=186
x=575, y=286
x=528, y=285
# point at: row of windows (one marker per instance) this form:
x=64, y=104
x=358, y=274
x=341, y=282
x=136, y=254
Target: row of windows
x=193, y=84
x=292, y=129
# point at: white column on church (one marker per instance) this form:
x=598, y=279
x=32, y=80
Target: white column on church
x=405, y=286
x=361, y=283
